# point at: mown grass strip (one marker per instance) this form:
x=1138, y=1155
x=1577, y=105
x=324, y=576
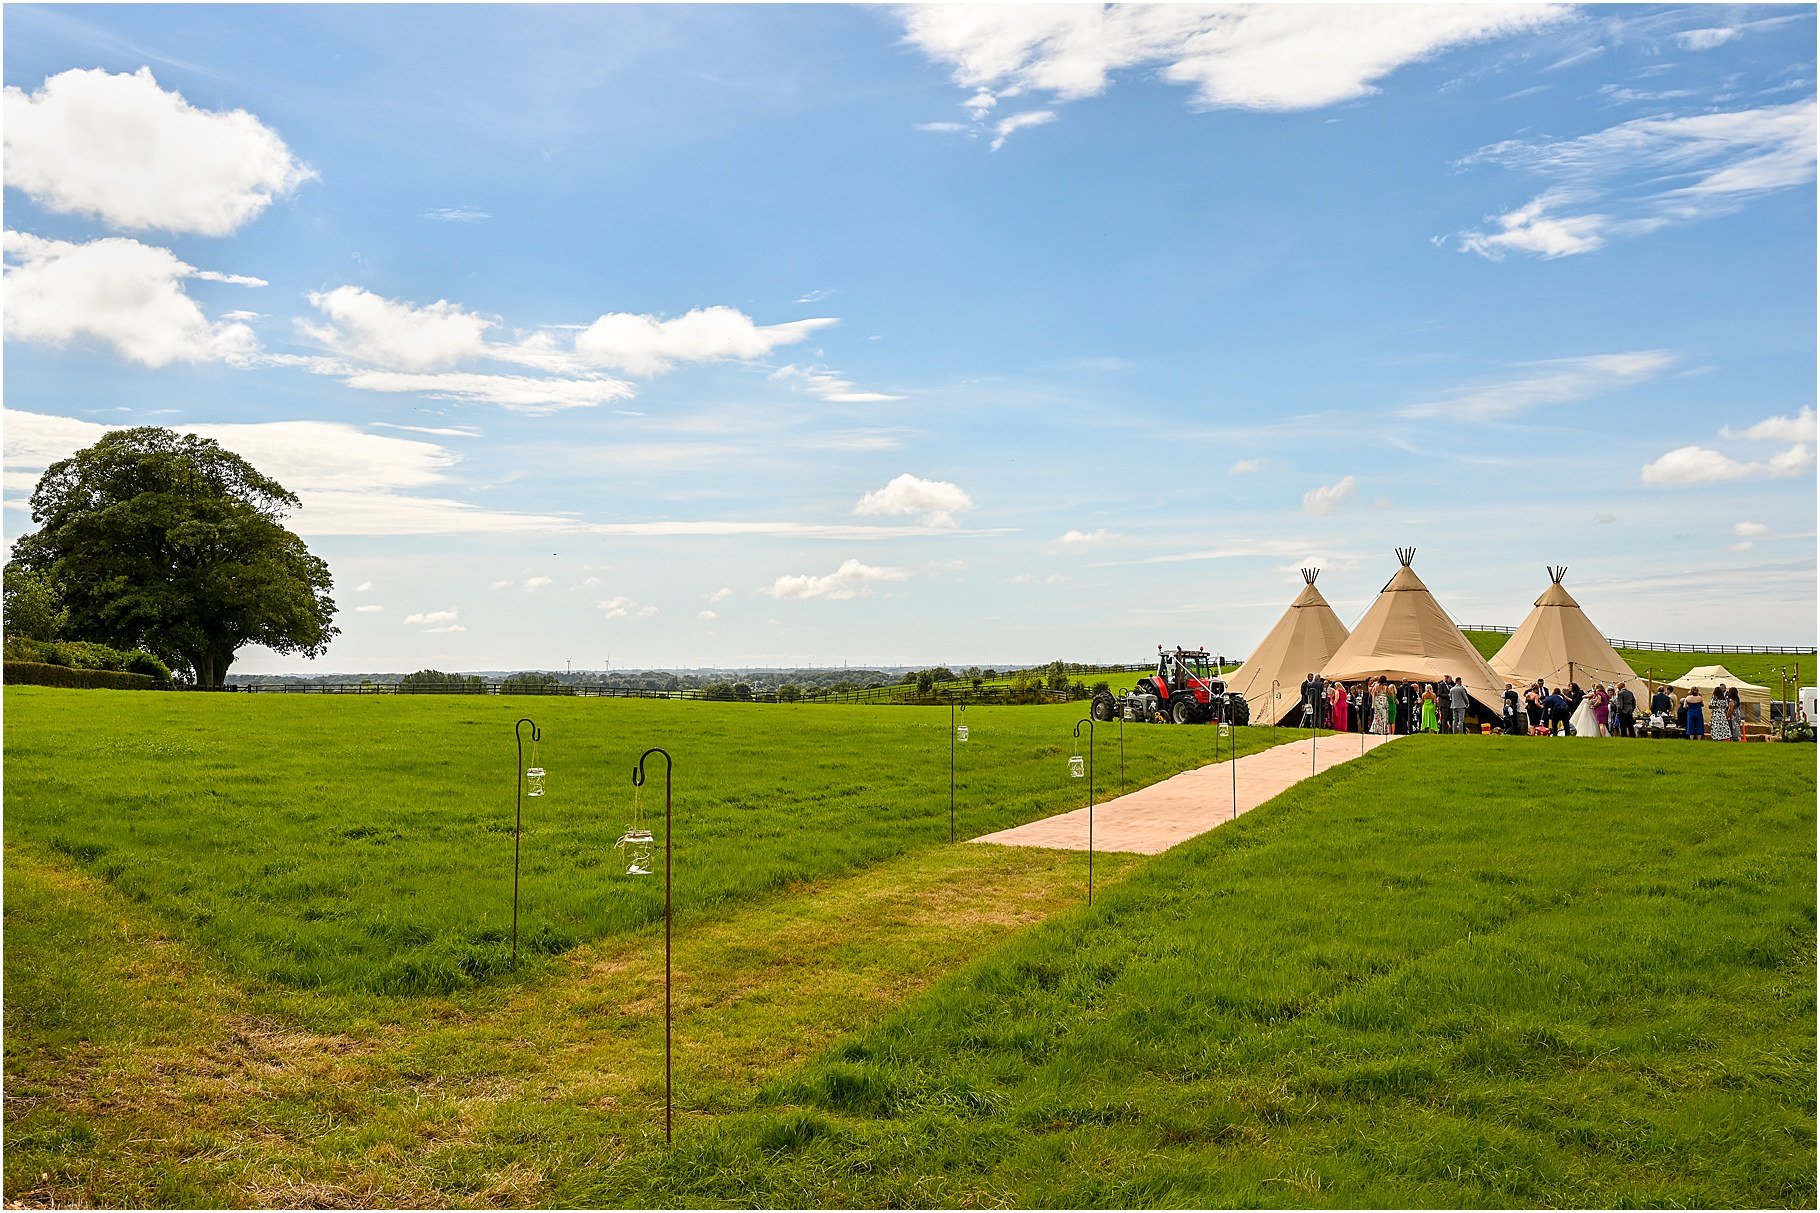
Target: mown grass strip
x=131, y=1082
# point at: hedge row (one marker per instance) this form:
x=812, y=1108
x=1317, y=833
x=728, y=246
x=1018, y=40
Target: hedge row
x=36, y=674
x=82, y=655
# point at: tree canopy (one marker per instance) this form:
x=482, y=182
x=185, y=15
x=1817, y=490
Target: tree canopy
x=172, y=544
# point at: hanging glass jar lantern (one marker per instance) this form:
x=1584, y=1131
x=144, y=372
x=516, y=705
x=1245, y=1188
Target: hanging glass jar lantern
x=637, y=843
x=533, y=781
x=1077, y=767
x=960, y=732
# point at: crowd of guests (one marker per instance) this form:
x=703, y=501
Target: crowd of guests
x=1611, y=710
x=1385, y=706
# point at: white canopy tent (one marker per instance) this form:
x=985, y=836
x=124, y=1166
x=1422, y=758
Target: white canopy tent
x=1753, y=700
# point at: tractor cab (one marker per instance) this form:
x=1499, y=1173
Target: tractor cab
x=1185, y=671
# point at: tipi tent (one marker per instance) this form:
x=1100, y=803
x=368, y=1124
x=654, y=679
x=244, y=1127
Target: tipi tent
x=1306, y=635
x=1752, y=699
x=1406, y=635
x=1559, y=644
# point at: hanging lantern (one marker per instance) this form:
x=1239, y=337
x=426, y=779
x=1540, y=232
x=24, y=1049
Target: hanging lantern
x=637, y=843
x=1225, y=729
x=534, y=781
x=1077, y=767
x=960, y=732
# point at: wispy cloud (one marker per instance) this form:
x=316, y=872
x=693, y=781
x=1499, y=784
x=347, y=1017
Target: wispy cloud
x=1552, y=382
x=1643, y=175
x=1325, y=499
x=1259, y=57
x=1004, y=128
x=818, y=381
x=457, y=214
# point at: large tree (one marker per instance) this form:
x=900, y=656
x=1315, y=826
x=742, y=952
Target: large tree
x=169, y=543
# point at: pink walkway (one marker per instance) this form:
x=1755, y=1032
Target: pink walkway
x=1153, y=819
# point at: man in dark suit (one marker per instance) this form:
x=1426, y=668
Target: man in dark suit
x=1625, y=701
x=1314, y=699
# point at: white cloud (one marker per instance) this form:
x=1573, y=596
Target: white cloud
x=504, y=583
x=818, y=381
x=1551, y=382
x=1750, y=530
x=1746, y=546
x=1530, y=229
x=137, y=157
x=1242, y=466
x=1263, y=57
x=127, y=294
x=1082, y=539
x=645, y=345
x=515, y=393
x=851, y=580
x=1799, y=428
x=1604, y=519
x=363, y=587
x=457, y=214
x=432, y=617
x=399, y=336
x=1006, y=127
x=348, y=480
x=1701, y=465
x=1705, y=39
x=624, y=608
x=453, y=627
x=706, y=616
x=368, y=610
x=1328, y=498
x=937, y=501
x=1643, y=175
x=721, y=595
x=533, y=584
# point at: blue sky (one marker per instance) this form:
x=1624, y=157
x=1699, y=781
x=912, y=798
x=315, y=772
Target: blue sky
x=749, y=335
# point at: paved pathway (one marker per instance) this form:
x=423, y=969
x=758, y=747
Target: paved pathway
x=1153, y=819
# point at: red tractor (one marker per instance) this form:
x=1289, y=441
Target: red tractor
x=1184, y=689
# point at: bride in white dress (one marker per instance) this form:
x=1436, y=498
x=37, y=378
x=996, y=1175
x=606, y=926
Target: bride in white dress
x=1583, y=722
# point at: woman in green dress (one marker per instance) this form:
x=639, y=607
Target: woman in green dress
x=1428, y=709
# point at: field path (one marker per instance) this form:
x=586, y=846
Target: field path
x=1151, y=820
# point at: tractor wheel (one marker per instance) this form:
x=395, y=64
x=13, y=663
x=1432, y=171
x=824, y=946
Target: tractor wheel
x=1104, y=710
x=1238, y=709
x=1182, y=710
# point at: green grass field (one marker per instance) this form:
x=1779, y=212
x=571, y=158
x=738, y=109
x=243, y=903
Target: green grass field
x=365, y=844
x=1459, y=971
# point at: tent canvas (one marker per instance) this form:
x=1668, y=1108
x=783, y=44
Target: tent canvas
x=1302, y=640
x=1751, y=697
x=1406, y=635
x=1559, y=644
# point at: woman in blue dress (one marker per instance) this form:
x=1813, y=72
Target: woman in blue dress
x=1696, y=715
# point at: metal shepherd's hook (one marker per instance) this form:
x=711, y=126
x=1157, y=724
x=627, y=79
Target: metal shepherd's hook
x=953, y=733
x=1088, y=721
x=638, y=781
x=518, y=824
